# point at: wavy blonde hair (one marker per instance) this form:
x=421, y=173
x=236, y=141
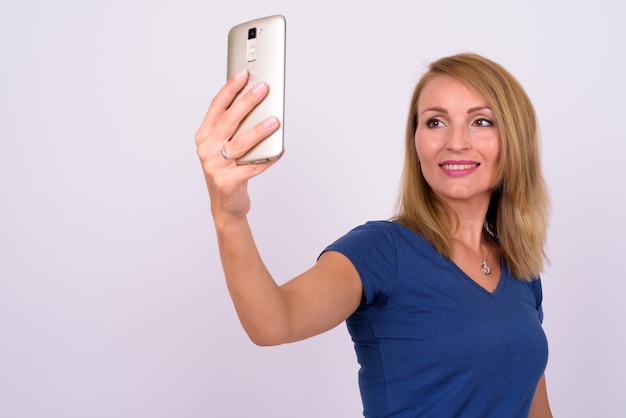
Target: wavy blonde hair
x=518, y=212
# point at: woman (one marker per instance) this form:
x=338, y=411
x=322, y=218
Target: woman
x=443, y=302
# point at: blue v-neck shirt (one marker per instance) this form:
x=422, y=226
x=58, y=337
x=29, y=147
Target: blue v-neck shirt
x=431, y=342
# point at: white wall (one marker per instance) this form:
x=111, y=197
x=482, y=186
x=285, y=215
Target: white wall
x=112, y=301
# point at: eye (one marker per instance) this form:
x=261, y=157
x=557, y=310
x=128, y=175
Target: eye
x=434, y=123
x=483, y=122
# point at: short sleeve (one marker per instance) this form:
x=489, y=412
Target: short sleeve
x=372, y=250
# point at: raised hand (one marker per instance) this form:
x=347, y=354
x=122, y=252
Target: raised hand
x=218, y=149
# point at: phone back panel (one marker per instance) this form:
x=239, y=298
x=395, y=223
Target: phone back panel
x=259, y=47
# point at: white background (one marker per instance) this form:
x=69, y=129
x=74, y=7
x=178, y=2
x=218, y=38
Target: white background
x=112, y=300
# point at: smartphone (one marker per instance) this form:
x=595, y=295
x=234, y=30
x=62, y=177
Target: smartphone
x=259, y=47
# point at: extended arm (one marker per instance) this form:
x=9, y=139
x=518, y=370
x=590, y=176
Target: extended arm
x=311, y=303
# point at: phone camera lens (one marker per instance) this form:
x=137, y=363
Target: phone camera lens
x=251, y=33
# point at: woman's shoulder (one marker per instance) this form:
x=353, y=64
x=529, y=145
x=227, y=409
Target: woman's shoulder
x=376, y=225
x=384, y=233
x=390, y=226
x=377, y=230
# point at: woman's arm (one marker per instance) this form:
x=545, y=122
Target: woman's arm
x=313, y=302
x=540, y=407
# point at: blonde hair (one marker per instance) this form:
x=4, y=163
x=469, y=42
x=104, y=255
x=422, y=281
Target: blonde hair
x=518, y=212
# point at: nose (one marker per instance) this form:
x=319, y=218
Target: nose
x=457, y=139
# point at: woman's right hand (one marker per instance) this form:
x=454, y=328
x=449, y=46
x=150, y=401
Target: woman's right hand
x=311, y=303
x=227, y=181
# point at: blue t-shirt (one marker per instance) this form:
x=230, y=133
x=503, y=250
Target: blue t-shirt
x=430, y=341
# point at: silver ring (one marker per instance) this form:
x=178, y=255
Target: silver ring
x=224, y=155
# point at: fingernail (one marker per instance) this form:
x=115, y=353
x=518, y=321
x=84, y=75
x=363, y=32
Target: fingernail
x=270, y=122
x=259, y=88
x=241, y=74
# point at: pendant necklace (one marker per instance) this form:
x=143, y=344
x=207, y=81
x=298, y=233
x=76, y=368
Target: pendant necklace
x=484, y=268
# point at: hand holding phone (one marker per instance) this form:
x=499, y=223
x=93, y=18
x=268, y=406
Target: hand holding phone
x=259, y=47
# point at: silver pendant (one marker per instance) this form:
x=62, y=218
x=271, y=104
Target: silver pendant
x=485, y=268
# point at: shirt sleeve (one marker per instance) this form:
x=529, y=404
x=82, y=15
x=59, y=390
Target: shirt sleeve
x=372, y=250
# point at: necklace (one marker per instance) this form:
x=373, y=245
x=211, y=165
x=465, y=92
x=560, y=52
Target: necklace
x=484, y=267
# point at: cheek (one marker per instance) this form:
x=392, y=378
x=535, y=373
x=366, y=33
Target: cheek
x=425, y=158
x=416, y=149
x=425, y=150
x=419, y=147
x=496, y=156
x=497, y=150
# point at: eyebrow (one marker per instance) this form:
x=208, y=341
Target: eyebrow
x=442, y=110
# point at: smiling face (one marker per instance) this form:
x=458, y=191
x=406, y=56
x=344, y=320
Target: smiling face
x=457, y=141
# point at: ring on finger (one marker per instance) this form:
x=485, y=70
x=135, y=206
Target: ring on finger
x=224, y=155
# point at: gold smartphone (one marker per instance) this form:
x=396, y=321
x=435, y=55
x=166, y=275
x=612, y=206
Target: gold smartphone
x=259, y=47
